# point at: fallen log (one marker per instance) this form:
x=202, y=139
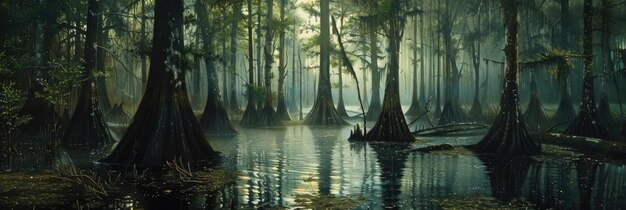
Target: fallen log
x=450, y=128
x=612, y=149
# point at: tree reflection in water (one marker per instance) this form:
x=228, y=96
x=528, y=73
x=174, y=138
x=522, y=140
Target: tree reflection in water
x=506, y=176
x=391, y=158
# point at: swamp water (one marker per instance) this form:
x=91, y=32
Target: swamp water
x=315, y=167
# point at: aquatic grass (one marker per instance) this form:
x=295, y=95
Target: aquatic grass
x=482, y=203
x=317, y=201
x=22, y=190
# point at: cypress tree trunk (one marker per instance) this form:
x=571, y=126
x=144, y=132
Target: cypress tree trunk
x=281, y=108
x=452, y=111
x=323, y=111
x=604, y=110
x=214, y=119
x=414, y=109
x=391, y=125
x=87, y=126
x=268, y=116
x=234, y=103
x=476, y=112
x=144, y=59
x=101, y=63
x=508, y=135
x=341, y=107
x=587, y=123
x=251, y=112
x=565, y=111
x=422, y=57
x=294, y=106
x=535, y=114
x=164, y=127
x=374, y=108
x=259, y=52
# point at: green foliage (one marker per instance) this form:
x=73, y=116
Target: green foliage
x=63, y=75
x=11, y=100
x=258, y=92
x=557, y=61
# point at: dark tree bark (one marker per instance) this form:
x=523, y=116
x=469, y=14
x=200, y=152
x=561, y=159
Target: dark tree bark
x=164, y=127
x=281, y=107
x=373, y=110
x=586, y=123
x=452, y=111
x=268, y=116
x=476, y=112
x=508, y=135
x=565, y=111
x=391, y=125
x=214, y=119
x=323, y=111
x=234, y=103
x=341, y=106
x=225, y=67
x=101, y=64
x=259, y=52
x=251, y=113
x=415, y=109
x=535, y=114
x=143, y=57
x=604, y=110
x=87, y=126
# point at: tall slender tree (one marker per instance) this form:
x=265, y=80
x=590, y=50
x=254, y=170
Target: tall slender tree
x=87, y=126
x=323, y=111
x=508, y=135
x=374, y=108
x=281, y=107
x=234, y=25
x=587, y=123
x=164, y=127
x=391, y=125
x=251, y=112
x=214, y=119
x=415, y=108
x=268, y=116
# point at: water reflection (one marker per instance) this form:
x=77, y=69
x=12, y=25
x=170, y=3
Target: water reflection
x=507, y=176
x=324, y=140
x=586, y=171
x=391, y=158
x=276, y=165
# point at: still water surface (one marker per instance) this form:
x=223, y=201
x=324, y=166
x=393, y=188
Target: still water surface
x=275, y=165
